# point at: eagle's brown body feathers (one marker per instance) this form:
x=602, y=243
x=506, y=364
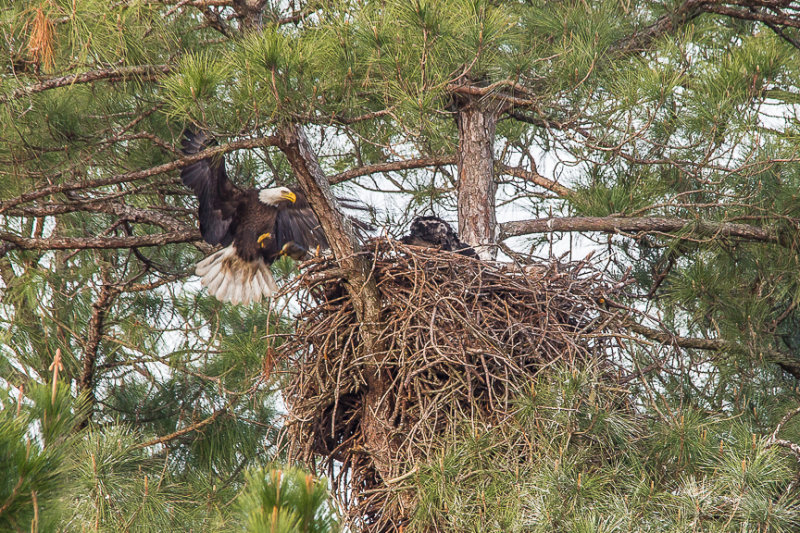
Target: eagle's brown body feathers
x=254, y=227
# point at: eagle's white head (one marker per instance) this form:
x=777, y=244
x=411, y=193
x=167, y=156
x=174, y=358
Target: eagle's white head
x=277, y=196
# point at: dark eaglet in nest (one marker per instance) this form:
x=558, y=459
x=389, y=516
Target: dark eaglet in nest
x=255, y=227
x=435, y=232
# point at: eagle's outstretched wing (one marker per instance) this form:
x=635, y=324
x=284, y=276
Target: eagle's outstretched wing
x=297, y=223
x=216, y=195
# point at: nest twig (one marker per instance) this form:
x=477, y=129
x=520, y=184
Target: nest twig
x=462, y=337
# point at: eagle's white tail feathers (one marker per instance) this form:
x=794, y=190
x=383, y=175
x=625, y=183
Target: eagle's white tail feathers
x=230, y=279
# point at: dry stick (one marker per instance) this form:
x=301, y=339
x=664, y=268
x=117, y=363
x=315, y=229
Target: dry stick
x=194, y=427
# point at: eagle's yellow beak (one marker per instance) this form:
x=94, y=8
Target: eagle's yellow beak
x=292, y=197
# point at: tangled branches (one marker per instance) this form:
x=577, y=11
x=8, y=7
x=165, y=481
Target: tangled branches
x=461, y=339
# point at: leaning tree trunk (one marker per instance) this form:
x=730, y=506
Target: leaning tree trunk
x=376, y=424
x=477, y=223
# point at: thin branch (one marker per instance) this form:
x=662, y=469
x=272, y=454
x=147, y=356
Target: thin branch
x=641, y=40
x=393, y=166
x=188, y=429
x=111, y=74
x=139, y=174
x=102, y=205
x=786, y=362
x=536, y=178
x=746, y=14
x=87, y=243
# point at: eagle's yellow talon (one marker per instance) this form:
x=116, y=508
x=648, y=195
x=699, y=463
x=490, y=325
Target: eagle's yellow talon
x=263, y=238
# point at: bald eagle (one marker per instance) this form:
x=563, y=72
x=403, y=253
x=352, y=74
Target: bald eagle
x=435, y=232
x=255, y=227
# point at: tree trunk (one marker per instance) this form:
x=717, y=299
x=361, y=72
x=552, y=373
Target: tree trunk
x=86, y=381
x=251, y=14
x=477, y=223
x=376, y=425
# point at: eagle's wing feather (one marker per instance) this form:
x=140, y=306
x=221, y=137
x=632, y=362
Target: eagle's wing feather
x=297, y=223
x=216, y=195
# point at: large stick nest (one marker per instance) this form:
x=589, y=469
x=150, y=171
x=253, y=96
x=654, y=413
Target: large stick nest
x=460, y=337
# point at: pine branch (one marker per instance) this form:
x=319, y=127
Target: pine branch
x=393, y=166
x=188, y=429
x=665, y=24
x=259, y=142
x=788, y=363
x=750, y=14
x=340, y=119
x=110, y=74
x=87, y=243
x=536, y=178
x=103, y=205
x=645, y=225
x=436, y=161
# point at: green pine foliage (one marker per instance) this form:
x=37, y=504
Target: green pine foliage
x=579, y=457
x=696, y=124
x=286, y=500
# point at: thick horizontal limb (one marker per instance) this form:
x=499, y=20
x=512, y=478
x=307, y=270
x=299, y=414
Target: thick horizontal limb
x=644, y=225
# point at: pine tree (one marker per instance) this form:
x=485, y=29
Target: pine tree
x=661, y=134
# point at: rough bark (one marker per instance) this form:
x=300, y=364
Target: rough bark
x=86, y=382
x=638, y=225
x=84, y=243
x=251, y=14
x=477, y=222
x=376, y=425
